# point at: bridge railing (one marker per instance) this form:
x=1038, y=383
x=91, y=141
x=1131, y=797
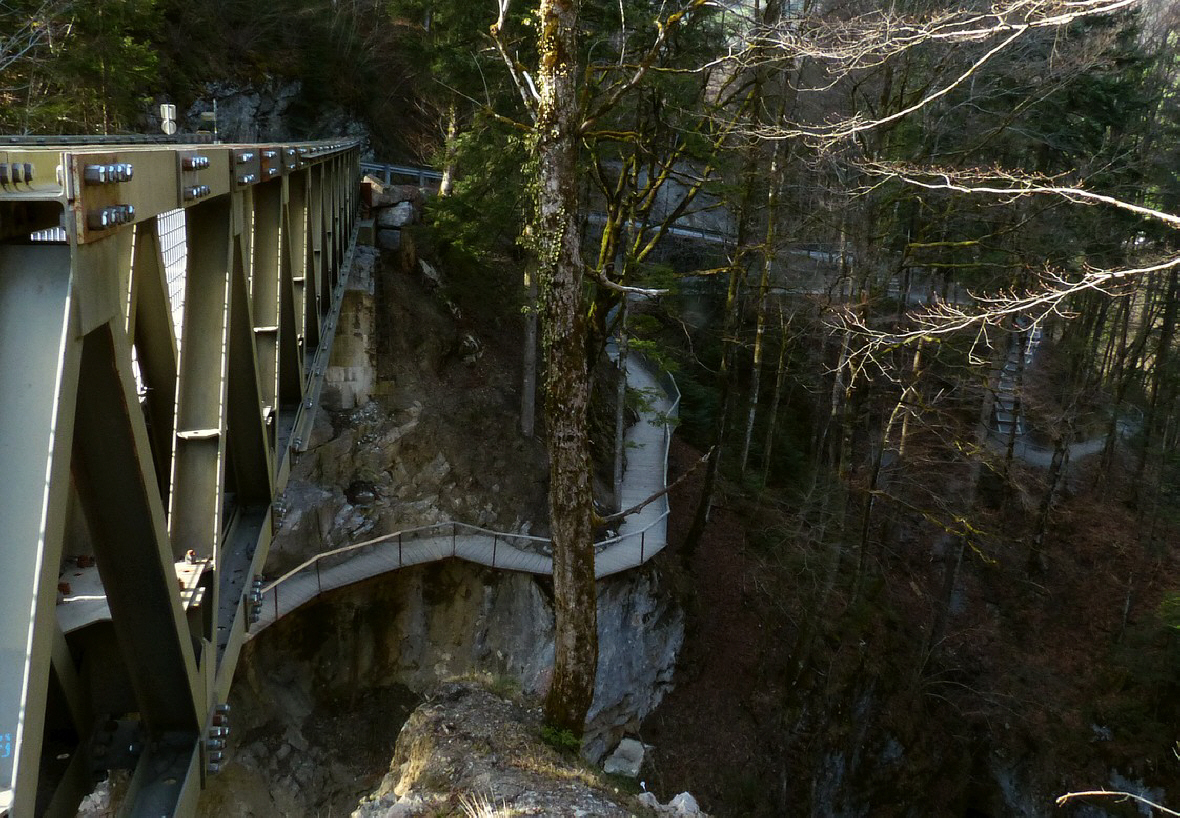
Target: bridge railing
x=496, y=549
x=423, y=177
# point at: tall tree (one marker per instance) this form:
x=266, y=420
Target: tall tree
x=566, y=109
x=71, y=67
x=567, y=388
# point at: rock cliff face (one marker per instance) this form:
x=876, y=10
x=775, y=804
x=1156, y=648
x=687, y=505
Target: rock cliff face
x=436, y=442
x=376, y=646
x=264, y=113
x=320, y=695
x=640, y=631
x=451, y=619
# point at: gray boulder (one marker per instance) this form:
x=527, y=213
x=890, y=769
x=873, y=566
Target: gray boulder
x=684, y=804
x=626, y=759
x=399, y=215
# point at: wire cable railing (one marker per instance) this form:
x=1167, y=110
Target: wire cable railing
x=644, y=536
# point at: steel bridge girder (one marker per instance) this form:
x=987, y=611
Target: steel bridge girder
x=106, y=409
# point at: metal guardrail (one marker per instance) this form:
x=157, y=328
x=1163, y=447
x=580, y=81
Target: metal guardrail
x=386, y=172
x=421, y=175
x=495, y=549
x=90, y=140
x=675, y=231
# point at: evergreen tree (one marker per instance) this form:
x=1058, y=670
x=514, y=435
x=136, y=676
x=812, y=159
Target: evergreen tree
x=88, y=68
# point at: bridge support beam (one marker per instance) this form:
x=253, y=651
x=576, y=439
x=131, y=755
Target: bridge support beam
x=39, y=359
x=141, y=467
x=116, y=482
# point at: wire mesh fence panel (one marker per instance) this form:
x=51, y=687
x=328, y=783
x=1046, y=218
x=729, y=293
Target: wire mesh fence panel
x=170, y=227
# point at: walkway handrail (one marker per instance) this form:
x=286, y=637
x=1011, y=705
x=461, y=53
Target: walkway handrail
x=387, y=172
x=448, y=525
x=484, y=546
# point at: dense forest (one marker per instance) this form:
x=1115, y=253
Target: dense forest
x=915, y=270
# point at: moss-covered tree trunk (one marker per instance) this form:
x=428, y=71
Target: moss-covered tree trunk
x=567, y=389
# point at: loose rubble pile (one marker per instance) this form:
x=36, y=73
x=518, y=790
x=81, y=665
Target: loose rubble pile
x=385, y=454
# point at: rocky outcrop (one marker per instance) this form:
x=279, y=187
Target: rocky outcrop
x=317, y=695
x=400, y=215
x=466, y=748
x=394, y=450
x=394, y=207
x=264, y=113
x=396, y=418
x=627, y=759
x=247, y=113
x=298, y=754
x=640, y=631
x=682, y=804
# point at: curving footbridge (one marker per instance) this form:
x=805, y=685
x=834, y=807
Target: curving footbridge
x=640, y=536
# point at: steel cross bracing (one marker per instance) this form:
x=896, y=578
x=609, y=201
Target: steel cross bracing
x=143, y=440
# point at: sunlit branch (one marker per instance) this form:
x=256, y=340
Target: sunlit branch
x=520, y=78
x=1069, y=796
x=22, y=33
x=663, y=29
x=622, y=288
x=991, y=310
x=957, y=181
x=864, y=42
x=869, y=40
x=856, y=124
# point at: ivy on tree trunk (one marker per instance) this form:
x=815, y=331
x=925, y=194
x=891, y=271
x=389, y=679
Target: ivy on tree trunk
x=566, y=382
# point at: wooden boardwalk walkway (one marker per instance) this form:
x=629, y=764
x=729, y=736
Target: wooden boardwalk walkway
x=640, y=537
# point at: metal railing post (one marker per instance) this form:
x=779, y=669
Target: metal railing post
x=454, y=534
x=494, y=541
x=318, y=584
x=276, y=593
x=642, y=539
x=399, y=549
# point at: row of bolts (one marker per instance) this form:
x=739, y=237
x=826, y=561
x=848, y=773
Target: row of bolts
x=119, y=172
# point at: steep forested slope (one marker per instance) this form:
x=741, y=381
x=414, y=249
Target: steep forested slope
x=917, y=274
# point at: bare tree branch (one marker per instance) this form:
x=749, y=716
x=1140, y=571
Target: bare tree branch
x=845, y=46
x=957, y=181
x=1069, y=796
x=619, y=515
x=946, y=319
x=868, y=40
x=21, y=33
x=663, y=28
x=622, y=288
x=520, y=78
